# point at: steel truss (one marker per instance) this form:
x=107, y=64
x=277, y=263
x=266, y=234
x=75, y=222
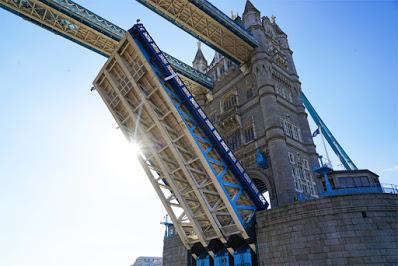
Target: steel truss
x=203, y=198
x=208, y=24
x=61, y=23
x=80, y=25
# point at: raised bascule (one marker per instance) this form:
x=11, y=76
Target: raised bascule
x=215, y=138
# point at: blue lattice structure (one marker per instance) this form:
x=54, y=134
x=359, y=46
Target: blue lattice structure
x=208, y=194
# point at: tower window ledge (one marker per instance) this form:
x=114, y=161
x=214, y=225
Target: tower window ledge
x=296, y=144
x=282, y=70
x=288, y=105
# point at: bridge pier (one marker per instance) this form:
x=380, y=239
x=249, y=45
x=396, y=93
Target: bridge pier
x=343, y=230
x=175, y=253
x=356, y=229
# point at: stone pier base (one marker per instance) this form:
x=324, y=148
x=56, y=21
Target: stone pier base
x=344, y=230
x=174, y=252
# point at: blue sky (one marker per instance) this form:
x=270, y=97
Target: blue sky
x=71, y=192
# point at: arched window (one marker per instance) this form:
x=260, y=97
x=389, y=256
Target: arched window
x=248, y=133
x=229, y=102
x=233, y=140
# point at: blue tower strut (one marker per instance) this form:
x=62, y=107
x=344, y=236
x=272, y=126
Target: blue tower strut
x=338, y=150
x=195, y=118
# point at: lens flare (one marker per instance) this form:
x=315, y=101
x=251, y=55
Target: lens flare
x=135, y=148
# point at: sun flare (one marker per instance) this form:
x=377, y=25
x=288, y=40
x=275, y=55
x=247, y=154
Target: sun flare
x=135, y=148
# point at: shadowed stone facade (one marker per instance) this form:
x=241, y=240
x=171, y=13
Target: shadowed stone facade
x=257, y=107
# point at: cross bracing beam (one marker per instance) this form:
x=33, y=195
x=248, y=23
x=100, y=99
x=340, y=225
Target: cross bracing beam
x=334, y=144
x=208, y=24
x=197, y=186
x=80, y=25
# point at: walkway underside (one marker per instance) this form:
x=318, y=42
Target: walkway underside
x=205, y=22
x=74, y=22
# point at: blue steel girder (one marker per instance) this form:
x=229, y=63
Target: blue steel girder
x=130, y=104
x=334, y=144
x=80, y=25
x=219, y=168
x=199, y=123
x=208, y=24
x=183, y=163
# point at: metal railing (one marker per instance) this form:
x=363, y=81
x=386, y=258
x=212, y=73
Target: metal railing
x=389, y=188
x=382, y=188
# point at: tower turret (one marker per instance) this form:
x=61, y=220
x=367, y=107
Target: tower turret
x=251, y=16
x=252, y=22
x=200, y=62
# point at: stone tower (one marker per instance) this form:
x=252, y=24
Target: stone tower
x=259, y=111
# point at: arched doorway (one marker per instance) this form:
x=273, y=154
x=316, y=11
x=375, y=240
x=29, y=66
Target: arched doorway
x=263, y=184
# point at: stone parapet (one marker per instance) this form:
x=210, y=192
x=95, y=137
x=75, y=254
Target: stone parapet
x=344, y=230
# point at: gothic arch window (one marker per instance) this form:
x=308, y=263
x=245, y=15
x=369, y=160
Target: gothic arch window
x=234, y=140
x=229, y=102
x=291, y=130
x=302, y=175
x=248, y=133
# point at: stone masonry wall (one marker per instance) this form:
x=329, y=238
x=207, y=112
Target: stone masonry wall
x=174, y=252
x=345, y=230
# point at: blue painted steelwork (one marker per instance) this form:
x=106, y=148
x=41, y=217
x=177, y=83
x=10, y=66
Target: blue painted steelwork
x=301, y=197
x=324, y=170
x=104, y=27
x=349, y=191
x=338, y=150
x=113, y=31
x=261, y=159
x=221, y=258
x=202, y=129
x=243, y=257
x=203, y=260
x=200, y=4
x=224, y=20
x=389, y=188
x=188, y=71
x=86, y=17
x=169, y=228
x=52, y=30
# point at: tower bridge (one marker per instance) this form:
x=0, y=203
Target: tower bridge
x=215, y=137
